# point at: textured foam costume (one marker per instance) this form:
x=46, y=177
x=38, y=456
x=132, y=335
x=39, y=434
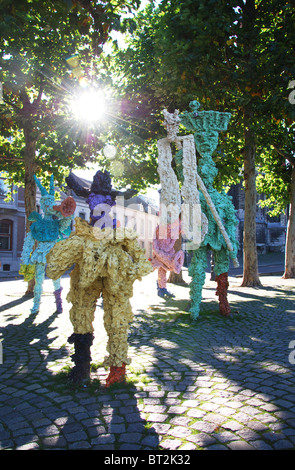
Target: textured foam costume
x=108, y=259
x=165, y=258
x=45, y=231
x=217, y=207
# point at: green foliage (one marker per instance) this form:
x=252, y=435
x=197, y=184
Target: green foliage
x=229, y=55
x=274, y=181
x=37, y=40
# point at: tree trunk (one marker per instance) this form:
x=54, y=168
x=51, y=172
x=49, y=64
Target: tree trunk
x=30, y=185
x=250, y=274
x=290, y=239
x=175, y=278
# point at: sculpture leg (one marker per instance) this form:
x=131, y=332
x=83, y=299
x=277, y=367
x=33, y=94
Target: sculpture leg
x=221, y=292
x=82, y=316
x=57, y=295
x=161, y=284
x=117, y=316
x=39, y=279
x=81, y=357
x=221, y=270
x=197, y=271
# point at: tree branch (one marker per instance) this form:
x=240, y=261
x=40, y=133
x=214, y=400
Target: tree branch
x=36, y=102
x=11, y=104
x=286, y=156
x=6, y=159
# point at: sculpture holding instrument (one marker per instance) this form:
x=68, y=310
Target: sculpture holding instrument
x=208, y=217
x=108, y=259
x=218, y=208
x=45, y=231
x=175, y=205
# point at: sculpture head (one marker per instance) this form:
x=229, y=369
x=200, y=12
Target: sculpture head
x=206, y=141
x=47, y=200
x=206, y=126
x=171, y=123
x=100, y=197
x=102, y=183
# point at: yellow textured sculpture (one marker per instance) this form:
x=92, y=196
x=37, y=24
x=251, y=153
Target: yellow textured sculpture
x=107, y=261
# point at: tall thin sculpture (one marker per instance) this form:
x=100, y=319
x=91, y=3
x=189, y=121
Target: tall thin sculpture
x=208, y=220
x=165, y=258
x=180, y=210
x=217, y=206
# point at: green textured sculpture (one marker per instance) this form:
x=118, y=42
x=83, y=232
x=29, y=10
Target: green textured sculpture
x=217, y=207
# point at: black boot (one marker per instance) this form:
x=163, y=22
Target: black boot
x=81, y=357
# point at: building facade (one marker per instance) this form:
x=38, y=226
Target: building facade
x=270, y=231
x=12, y=228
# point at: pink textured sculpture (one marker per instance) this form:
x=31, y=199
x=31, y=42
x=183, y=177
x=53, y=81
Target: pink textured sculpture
x=165, y=258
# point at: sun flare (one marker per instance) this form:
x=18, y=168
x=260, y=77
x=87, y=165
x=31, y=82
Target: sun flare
x=89, y=106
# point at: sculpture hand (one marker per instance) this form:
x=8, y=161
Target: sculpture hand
x=67, y=207
x=28, y=271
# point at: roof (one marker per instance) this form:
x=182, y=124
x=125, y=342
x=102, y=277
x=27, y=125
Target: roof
x=136, y=200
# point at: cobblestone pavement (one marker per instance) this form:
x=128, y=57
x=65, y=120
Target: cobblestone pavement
x=214, y=383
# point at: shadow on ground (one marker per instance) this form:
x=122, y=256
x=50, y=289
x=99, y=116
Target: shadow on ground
x=173, y=357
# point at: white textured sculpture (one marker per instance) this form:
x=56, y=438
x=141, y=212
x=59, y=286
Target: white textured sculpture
x=174, y=202
x=180, y=211
x=170, y=193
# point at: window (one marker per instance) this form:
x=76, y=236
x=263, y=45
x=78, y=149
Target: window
x=150, y=250
x=150, y=229
x=5, y=235
x=142, y=227
x=82, y=215
x=3, y=188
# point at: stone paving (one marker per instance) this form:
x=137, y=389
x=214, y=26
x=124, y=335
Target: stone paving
x=215, y=383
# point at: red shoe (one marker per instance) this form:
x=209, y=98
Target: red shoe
x=116, y=375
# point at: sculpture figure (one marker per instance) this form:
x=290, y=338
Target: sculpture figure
x=108, y=259
x=178, y=208
x=45, y=231
x=217, y=207
x=165, y=258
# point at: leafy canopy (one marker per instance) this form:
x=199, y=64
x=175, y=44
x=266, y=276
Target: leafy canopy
x=234, y=56
x=46, y=46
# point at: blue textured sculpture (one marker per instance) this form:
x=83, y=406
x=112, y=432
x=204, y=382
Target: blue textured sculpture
x=45, y=231
x=217, y=207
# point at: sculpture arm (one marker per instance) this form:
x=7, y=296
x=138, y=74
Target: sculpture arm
x=65, y=225
x=27, y=248
x=217, y=218
x=139, y=260
x=62, y=256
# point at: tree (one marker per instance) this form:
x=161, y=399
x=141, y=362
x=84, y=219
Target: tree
x=37, y=40
x=277, y=182
x=232, y=56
